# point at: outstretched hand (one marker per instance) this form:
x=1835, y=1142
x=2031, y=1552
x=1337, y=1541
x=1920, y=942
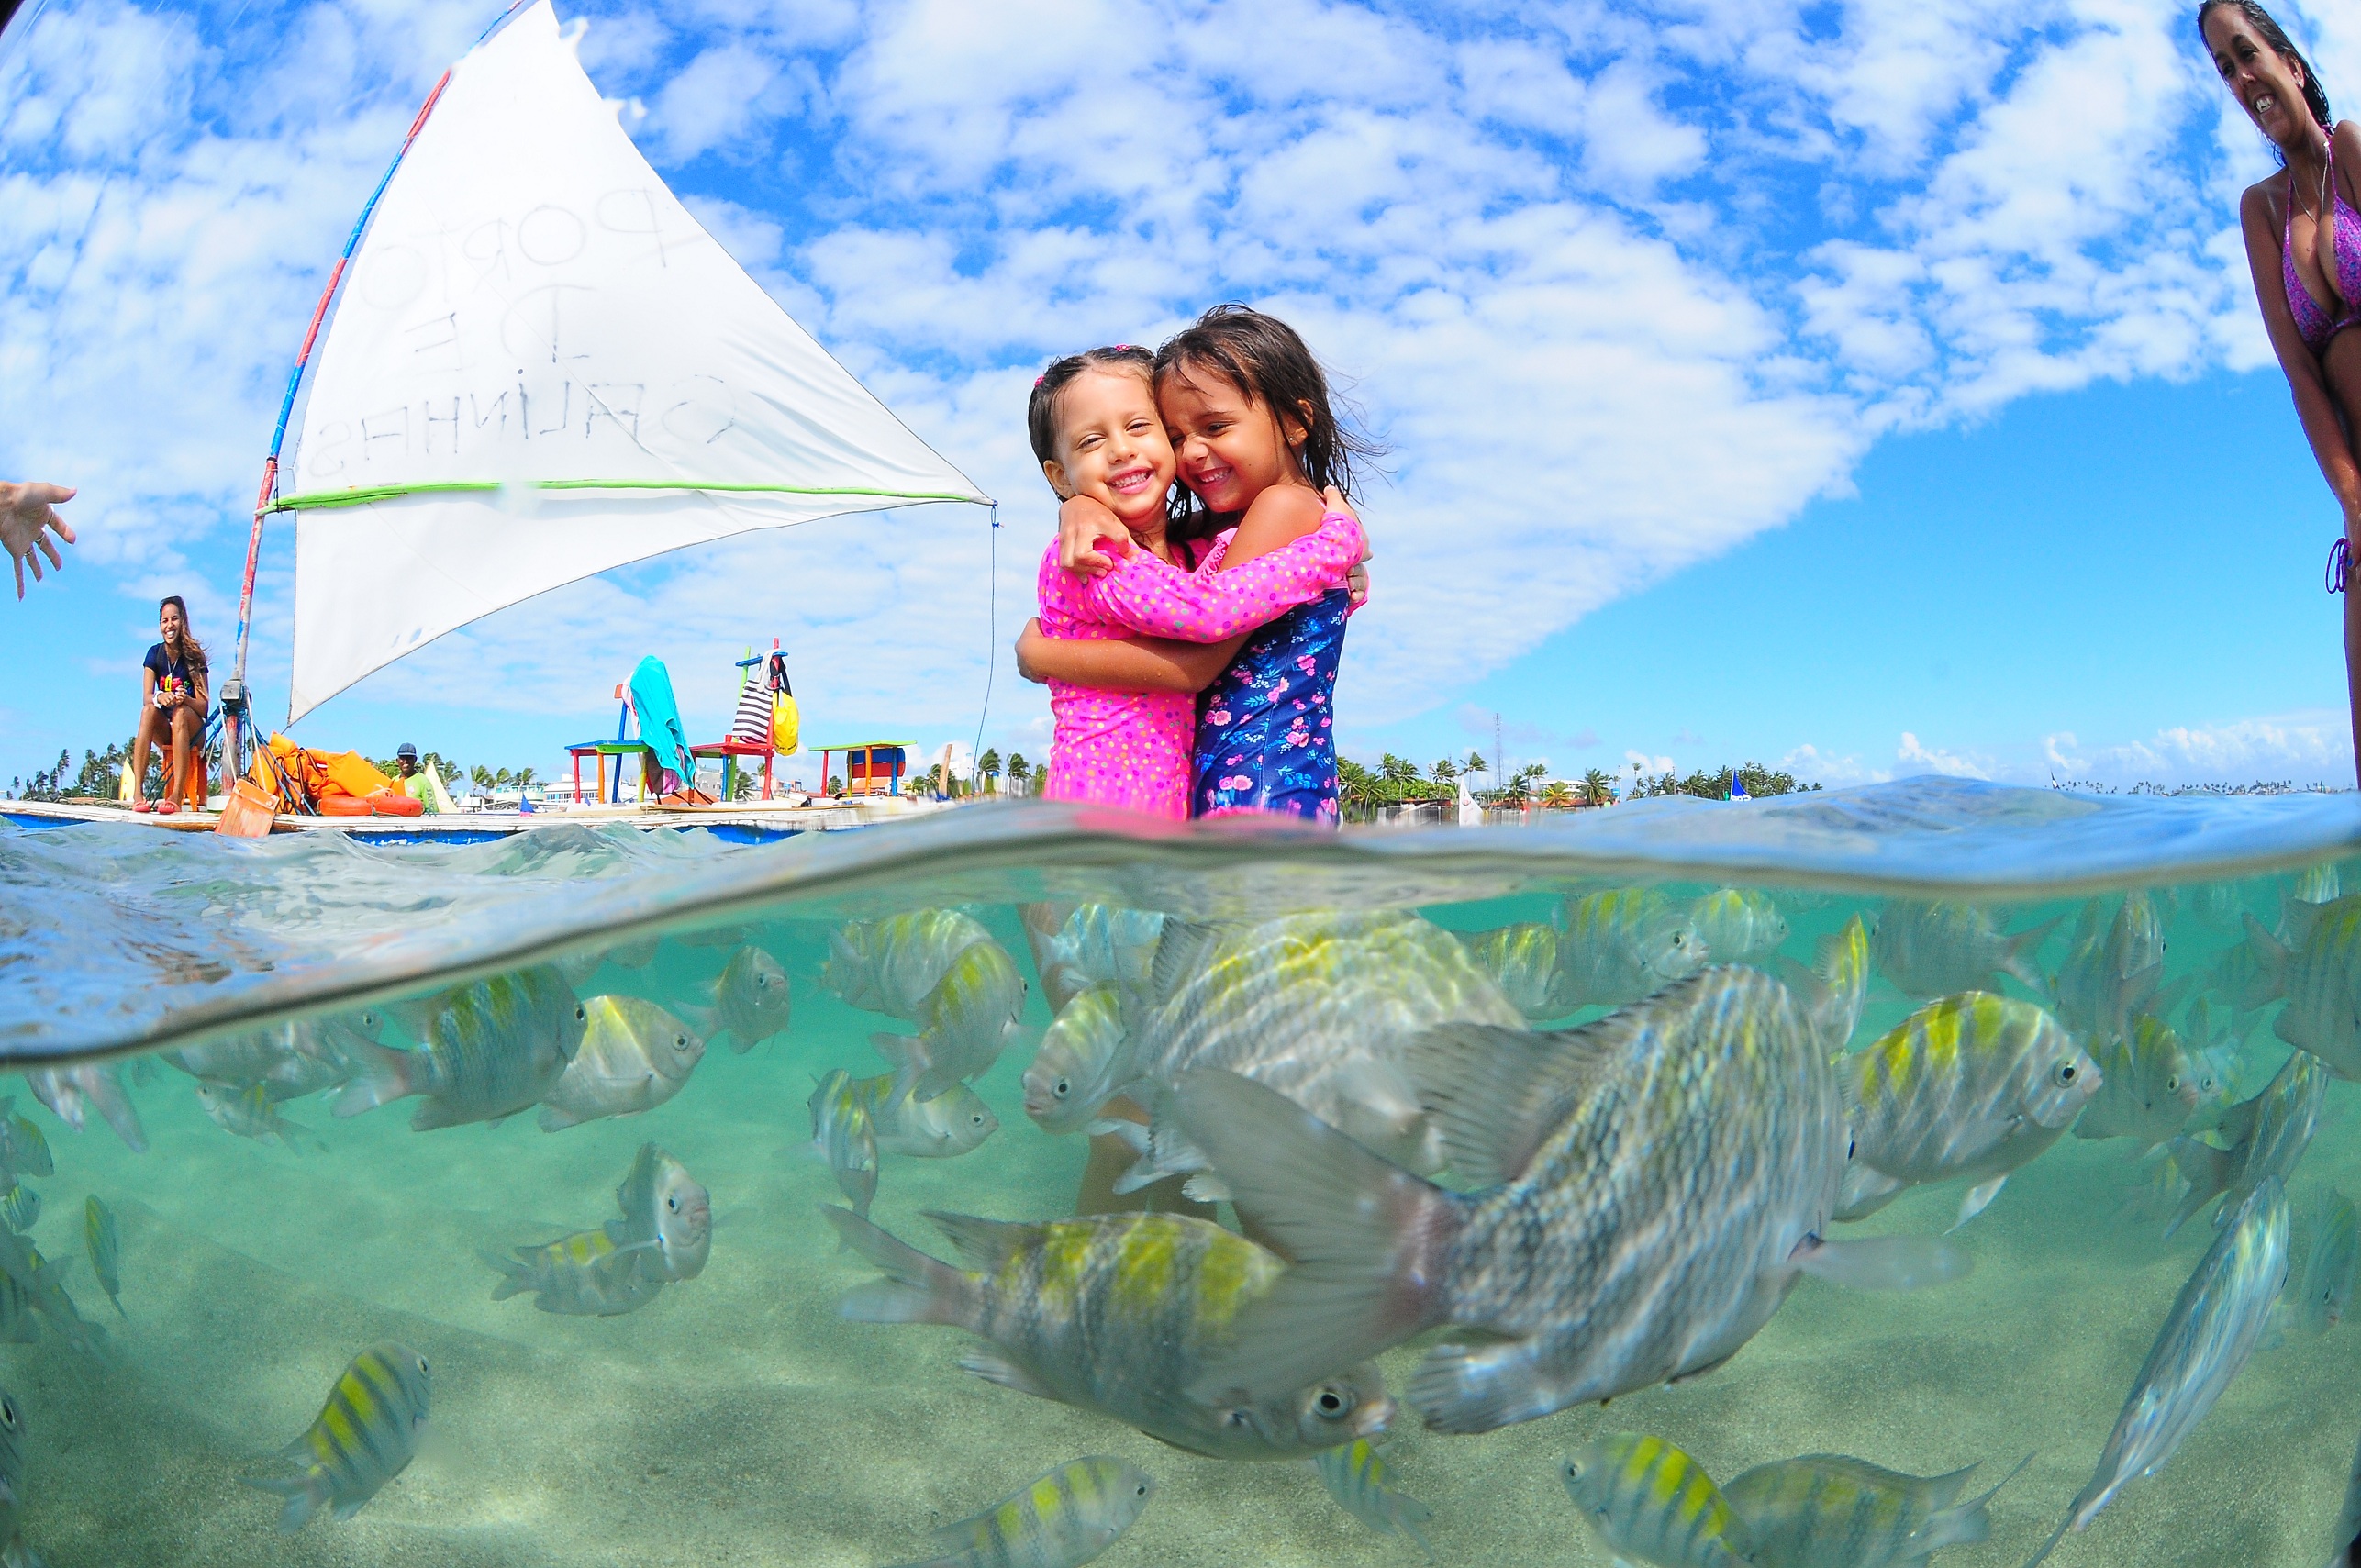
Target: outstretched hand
x=1027, y=641
x=28, y=512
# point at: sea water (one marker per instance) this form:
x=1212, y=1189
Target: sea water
x=737, y=1419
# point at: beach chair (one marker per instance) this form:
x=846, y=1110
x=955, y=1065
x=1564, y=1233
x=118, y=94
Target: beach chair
x=625, y=744
x=766, y=724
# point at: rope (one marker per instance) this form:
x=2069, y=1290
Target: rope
x=2340, y=559
x=991, y=652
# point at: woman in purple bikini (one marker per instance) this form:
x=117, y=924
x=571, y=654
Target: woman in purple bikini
x=2303, y=241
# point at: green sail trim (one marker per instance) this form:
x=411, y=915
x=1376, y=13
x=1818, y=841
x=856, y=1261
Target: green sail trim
x=327, y=498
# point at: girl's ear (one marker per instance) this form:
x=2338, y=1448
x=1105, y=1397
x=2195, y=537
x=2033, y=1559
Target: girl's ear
x=1054, y=472
x=1298, y=431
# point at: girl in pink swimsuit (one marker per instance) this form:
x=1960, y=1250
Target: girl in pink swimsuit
x=1097, y=430
x=2303, y=245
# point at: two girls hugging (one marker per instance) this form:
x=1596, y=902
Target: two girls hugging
x=1193, y=608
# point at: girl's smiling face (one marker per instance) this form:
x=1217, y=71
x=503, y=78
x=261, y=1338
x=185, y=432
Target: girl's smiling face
x=1111, y=446
x=2268, y=86
x=1230, y=446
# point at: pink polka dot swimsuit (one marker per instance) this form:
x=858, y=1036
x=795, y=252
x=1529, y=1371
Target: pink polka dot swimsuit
x=1132, y=749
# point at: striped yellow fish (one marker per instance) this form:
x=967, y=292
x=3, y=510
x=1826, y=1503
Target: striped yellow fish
x=843, y=1136
x=1973, y=1085
x=585, y=1274
x=366, y=1434
x=1825, y=1510
x=1356, y=1475
x=485, y=1051
x=105, y=1242
x=1064, y=1517
x=1653, y=1503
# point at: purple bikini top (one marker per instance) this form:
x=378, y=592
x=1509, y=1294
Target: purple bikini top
x=2312, y=323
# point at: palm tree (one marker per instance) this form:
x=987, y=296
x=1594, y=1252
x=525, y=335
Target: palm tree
x=1598, y=787
x=988, y=767
x=1019, y=771
x=1445, y=773
x=1560, y=795
x=1357, y=788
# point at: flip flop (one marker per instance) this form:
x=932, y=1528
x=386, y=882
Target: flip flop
x=166, y=807
x=143, y=803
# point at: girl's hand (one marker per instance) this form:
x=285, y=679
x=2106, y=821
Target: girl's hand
x=1356, y=583
x=1333, y=499
x=1082, y=524
x=1028, y=642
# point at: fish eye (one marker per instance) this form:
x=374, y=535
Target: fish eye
x=581, y=1013
x=1332, y=1403
x=1572, y=1471
x=680, y=1042
x=1140, y=1490
x=976, y=1119
x=8, y=1413
x=1851, y=1145
x=422, y=1364
x=2064, y=1074
x=2172, y=1084
x=1238, y=1418
x=1062, y=1088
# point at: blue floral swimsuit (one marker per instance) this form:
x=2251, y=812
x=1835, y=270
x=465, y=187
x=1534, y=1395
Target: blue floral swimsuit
x=1264, y=741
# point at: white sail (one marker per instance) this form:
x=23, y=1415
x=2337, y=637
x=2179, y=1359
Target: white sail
x=538, y=367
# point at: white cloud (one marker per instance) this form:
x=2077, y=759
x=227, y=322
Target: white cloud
x=1912, y=757
x=1623, y=288
x=2300, y=748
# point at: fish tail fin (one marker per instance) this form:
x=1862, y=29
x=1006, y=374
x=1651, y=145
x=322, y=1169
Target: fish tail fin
x=907, y=1068
x=916, y=1289
x=1963, y=1524
x=2206, y=1170
x=2269, y=981
x=2018, y=959
x=383, y=1075
x=515, y=1277
x=1369, y=1242
x=303, y=1496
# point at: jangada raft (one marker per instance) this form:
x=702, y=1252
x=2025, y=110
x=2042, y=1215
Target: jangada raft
x=531, y=364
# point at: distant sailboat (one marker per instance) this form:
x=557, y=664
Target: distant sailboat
x=534, y=365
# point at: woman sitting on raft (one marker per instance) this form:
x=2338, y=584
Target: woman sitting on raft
x=174, y=700
x=2303, y=242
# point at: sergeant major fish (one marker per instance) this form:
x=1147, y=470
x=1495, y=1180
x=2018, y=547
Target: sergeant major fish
x=1062, y=1519
x=485, y=1051
x=1571, y=1140
x=1322, y=1008
x=1738, y=924
x=251, y=1113
x=1523, y=961
x=103, y=1241
x=843, y=1136
x=1116, y=1314
x=2205, y=1340
x=581, y=1276
x=2109, y=976
x=1085, y=1057
x=633, y=1057
x=23, y=1148
x=1936, y=950
x=2333, y=1237
x=2151, y=1090
x=1653, y=1503
x=1621, y=945
x=892, y=966
x=2263, y=1137
x=365, y=1435
x=954, y=1122
x=663, y=1205
x=20, y=1206
x=1092, y=944
x=750, y=1000
x=2320, y=975
x=967, y=1019
x=1825, y=1510
x=1973, y=1085
x=1355, y=1476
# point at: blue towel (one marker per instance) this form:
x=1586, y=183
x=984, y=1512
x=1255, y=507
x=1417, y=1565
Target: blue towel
x=659, y=718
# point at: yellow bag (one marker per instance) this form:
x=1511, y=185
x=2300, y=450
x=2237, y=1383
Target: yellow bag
x=786, y=724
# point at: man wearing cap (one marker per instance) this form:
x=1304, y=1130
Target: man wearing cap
x=419, y=784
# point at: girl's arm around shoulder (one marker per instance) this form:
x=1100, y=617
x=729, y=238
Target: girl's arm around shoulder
x=1279, y=517
x=1132, y=664
x=1146, y=596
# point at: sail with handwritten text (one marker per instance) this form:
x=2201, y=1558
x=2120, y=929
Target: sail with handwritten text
x=538, y=366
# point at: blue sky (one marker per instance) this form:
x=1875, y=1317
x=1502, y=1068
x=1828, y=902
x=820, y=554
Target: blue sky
x=1873, y=389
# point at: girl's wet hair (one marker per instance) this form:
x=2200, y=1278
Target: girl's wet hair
x=2315, y=96
x=192, y=652
x=1265, y=358
x=1040, y=410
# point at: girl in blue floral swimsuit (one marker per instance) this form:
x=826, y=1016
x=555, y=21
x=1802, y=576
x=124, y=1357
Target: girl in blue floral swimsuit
x=1259, y=448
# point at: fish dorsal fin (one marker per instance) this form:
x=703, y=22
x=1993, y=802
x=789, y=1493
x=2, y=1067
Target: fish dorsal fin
x=2297, y=917
x=1182, y=949
x=1495, y=1093
x=631, y=1194
x=983, y=1245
